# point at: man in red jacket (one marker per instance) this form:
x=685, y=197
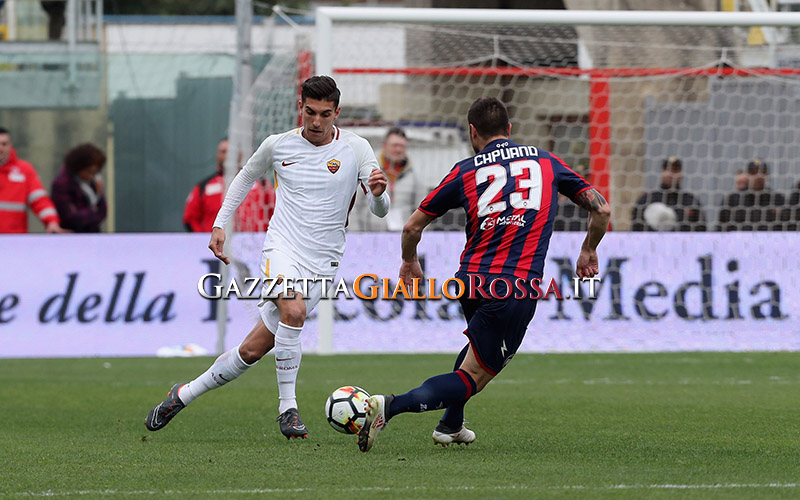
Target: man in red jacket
x=20, y=188
x=205, y=201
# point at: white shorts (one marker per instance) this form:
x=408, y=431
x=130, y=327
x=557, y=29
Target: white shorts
x=278, y=264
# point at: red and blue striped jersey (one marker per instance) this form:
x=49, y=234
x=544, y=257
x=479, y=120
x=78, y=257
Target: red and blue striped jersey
x=510, y=193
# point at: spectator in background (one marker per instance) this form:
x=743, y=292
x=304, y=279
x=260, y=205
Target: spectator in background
x=20, y=188
x=669, y=208
x=741, y=180
x=756, y=207
x=206, y=198
x=78, y=192
x=405, y=189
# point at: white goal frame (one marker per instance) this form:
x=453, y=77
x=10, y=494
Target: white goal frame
x=326, y=16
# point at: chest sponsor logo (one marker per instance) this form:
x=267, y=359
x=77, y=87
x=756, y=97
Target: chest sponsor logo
x=509, y=220
x=333, y=165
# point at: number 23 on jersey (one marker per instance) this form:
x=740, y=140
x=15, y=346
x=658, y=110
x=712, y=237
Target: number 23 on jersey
x=527, y=195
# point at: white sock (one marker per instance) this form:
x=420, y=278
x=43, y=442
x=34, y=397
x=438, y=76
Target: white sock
x=227, y=367
x=287, y=363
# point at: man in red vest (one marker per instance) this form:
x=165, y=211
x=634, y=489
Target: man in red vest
x=20, y=188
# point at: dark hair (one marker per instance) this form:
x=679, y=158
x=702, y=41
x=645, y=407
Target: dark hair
x=673, y=162
x=4, y=130
x=757, y=165
x=321, y=88
x=489, y=116
x=84, y=156
x=395, y=131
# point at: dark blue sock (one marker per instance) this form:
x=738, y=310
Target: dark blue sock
x=435, y=393
x=454, y=415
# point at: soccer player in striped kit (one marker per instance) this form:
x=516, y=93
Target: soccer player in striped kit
x=510, y=194
x=319, y=169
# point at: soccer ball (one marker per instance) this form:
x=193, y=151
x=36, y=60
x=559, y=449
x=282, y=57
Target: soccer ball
x=346, y=409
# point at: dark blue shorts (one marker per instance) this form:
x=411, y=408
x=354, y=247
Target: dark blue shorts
x=495, y=327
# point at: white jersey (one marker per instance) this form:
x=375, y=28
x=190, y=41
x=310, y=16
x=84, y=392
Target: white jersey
x=316, y=186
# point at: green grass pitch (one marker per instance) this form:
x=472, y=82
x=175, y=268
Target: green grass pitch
x=678, y=425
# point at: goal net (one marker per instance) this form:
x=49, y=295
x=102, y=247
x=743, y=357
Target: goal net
x=613, y=101
x=682, y=128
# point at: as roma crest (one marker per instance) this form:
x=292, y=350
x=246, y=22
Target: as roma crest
x=333, y=166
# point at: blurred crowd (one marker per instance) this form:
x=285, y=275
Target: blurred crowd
x=76, y=202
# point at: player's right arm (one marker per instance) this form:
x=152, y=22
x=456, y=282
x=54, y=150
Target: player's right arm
x=412, y=234
x=256, y=166
x=447, y=195
x=599, y=217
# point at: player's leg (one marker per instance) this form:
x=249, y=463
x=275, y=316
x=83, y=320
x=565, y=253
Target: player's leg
x=454, y=414
x=285, y=316
x=381, y=408
x=495, y=330
x=288, y=352
x=228, y=366
x=292, y=310
x=442, y=391
x=231, y=364
x=435, y=393
x=288, y=420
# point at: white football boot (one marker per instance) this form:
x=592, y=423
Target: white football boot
x=445, y=436
x=376, y=420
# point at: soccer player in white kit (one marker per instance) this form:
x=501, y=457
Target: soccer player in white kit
x=319, y=170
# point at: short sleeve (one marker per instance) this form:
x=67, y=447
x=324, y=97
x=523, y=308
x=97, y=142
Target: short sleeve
x=570, y=183
x=448, y=194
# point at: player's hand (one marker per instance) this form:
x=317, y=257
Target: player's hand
x=217, y=243
x=410, y=270
x=377, y=182
x=587, y=266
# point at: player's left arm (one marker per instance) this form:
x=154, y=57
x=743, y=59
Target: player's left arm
x=369, y=173
x=412, y=234
x=379, y=202
x=583, y=194
x=599, y=217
